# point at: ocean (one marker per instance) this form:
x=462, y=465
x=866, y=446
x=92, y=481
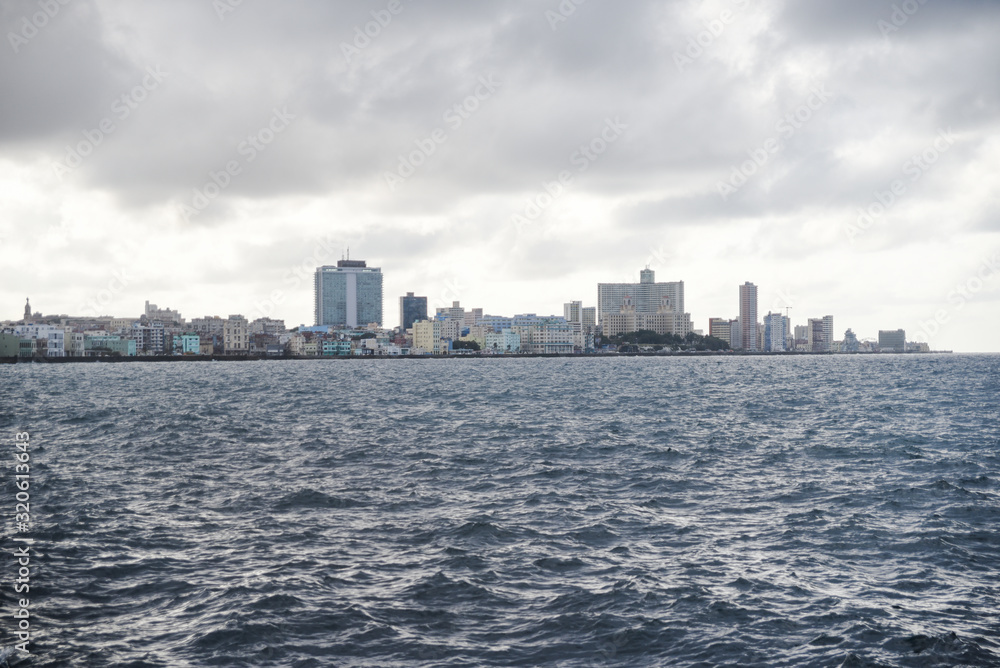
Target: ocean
x=704, y=511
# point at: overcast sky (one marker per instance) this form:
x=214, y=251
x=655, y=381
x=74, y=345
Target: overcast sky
x=207, y=156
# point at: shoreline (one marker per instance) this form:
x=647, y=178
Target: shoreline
x=255, y=358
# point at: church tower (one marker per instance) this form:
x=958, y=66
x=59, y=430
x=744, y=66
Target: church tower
x=27, y=311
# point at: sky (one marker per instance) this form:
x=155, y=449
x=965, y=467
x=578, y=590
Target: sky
x=208, y=155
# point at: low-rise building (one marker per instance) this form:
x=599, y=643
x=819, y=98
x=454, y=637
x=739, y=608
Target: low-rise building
x=99, y=345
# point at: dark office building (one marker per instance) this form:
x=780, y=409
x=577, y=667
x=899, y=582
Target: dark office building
x=411, y=309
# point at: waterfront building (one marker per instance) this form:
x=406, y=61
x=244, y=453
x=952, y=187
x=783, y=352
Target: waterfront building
x=647, y=295
x=720, y=328
x=149, y=337
x=553, y=335
x=665, y=320
x=235, y=335
x=814, y=332
x=892, y=341
x=50, y=340
x=749, y=335
x=411, y=309
x=850, y=344
x=74, y=343
x=427, y=336
x=348, y=294
x=98, y=345
x=186, y=344
x=10, y=345
x=828, y=331
x=774, y=333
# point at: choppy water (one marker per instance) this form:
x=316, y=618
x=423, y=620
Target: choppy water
x=692, y=512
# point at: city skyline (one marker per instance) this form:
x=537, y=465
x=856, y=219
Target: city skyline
x=653, y=298
x=839, y=157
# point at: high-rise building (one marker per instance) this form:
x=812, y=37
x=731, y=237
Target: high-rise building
x=828, y=331
x=892, y=341
x=647, y=295
x=774, y=333
x=349, y=294
x=589, y=316
x=411, y=309
x=817, y=341
x=748, y=317
x=572, y=311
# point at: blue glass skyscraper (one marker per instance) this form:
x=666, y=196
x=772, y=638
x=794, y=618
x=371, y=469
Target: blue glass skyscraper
x=348, y=295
